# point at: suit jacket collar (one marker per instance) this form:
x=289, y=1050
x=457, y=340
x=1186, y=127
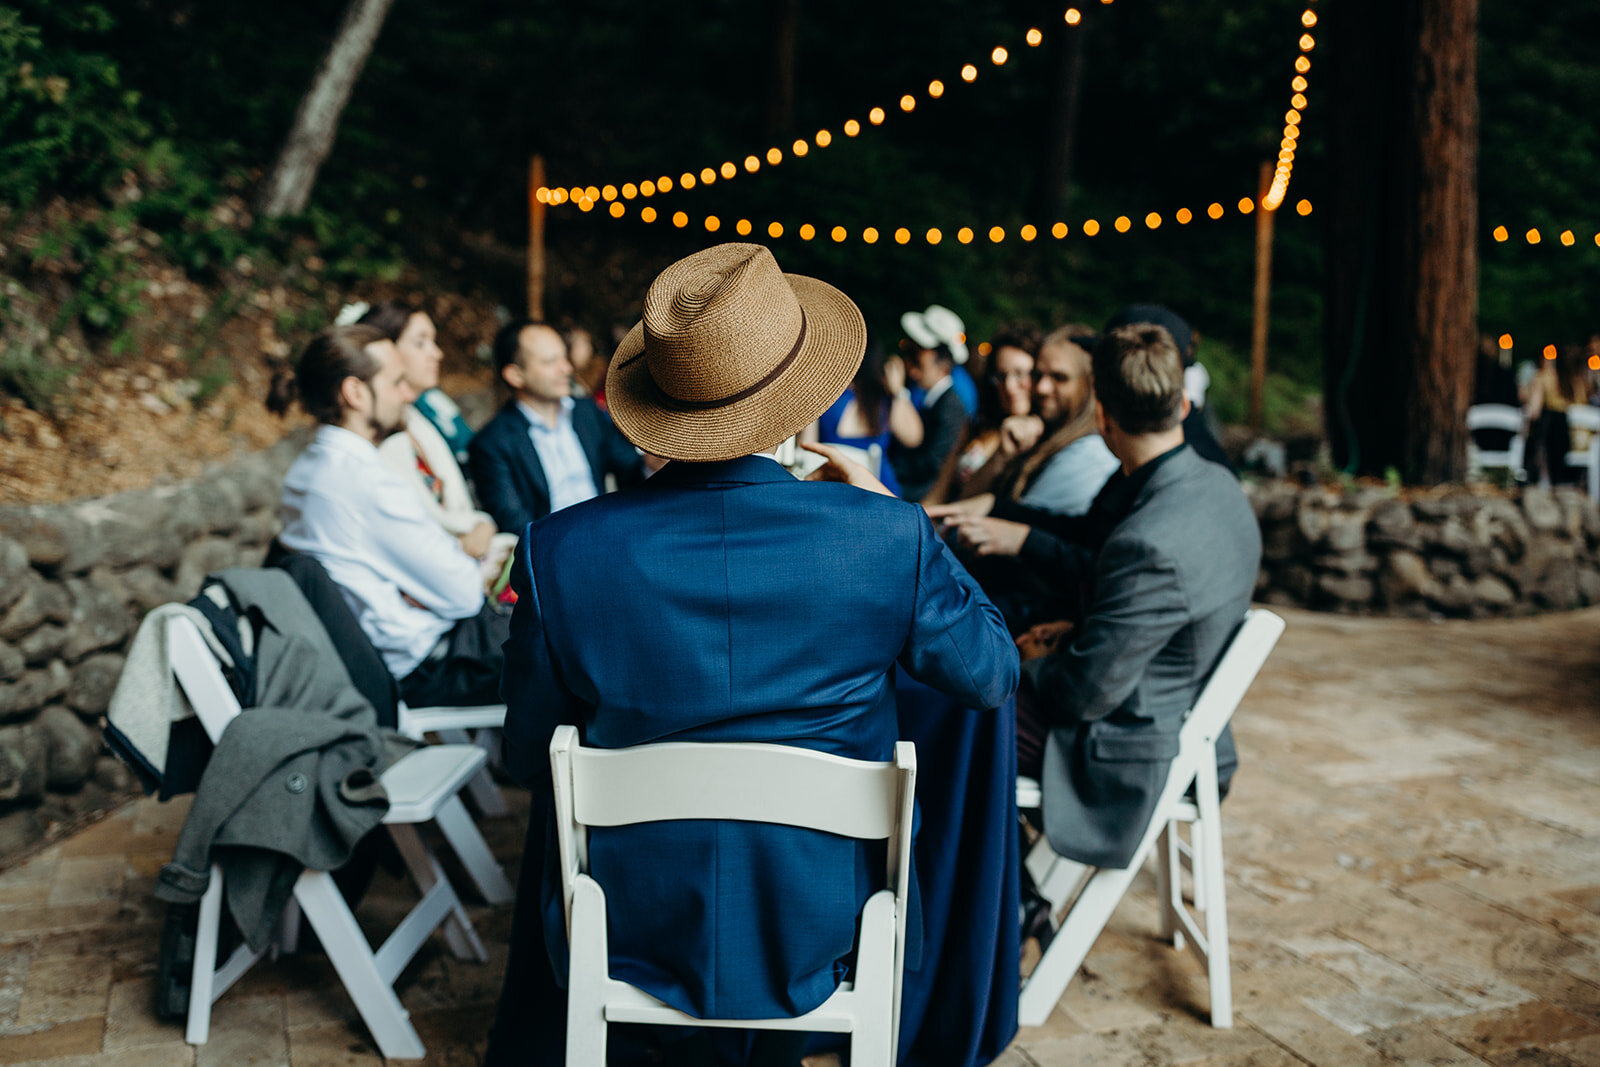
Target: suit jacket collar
x=1164, y=470
x=746, y=470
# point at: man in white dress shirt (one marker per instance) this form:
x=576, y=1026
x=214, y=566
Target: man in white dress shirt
x=416, y=594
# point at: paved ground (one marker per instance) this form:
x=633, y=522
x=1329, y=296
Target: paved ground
x=1413, y=855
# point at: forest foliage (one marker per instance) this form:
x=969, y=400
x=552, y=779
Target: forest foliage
x=163, y=114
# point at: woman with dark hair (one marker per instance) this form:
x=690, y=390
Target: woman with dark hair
x=420, y=452
x=1005, y=390
x=875, y=410
x=414, y=334
x=1559, y=384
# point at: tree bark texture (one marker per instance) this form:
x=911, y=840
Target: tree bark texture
x=1061, y=127
x=783, y=32
x=288, y=186
x=1400, y=304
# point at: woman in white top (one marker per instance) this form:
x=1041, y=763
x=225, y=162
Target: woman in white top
x=419, y=452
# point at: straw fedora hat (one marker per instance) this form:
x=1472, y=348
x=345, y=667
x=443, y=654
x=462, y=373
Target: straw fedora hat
x=732, y=356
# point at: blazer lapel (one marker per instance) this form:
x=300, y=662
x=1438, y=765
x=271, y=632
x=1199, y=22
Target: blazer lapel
x=585, y=423
x=530, y=460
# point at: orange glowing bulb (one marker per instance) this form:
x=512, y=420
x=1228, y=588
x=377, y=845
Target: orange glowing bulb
x=592, y=193
x=1505, y=342
x=664, y=184
x=1594, y=362
x=875, y=116
x=647, y=188
x=713, y=224
x=585, y=204
x=648, y=213
x=851, y=128
x=1308, y=18
x=800, y=147
x=1303, y=207
x=1028, y=232
x=934, y=236
x=680, y=219
x=870, y=235
x=1307, y=42
x=1059, y=230
x=997, y=234
x=1153, y=221
x=728, y=169
x=629, y=191
x=1501, y=233
x=908, y=102
x=707, y=176
x=686, y=180
x=902, y=236
x=1568, y=238
x=999, y=55
x=1034, y=37
x=1302, y=64
x=1298, y=101
x=609, y=193
x=1299, y=83
x=969, y=73
x=1073, y=16
x=774, y=156
x=775, y=229
x=1183, y=215
x=743, y=227
x=823, y=138
x=964, y=235
x=617, y=210
x=1122, y=224
x=838, y=233
x=1215, y=211
x=936, y=88
x=807, y=231
x=1090, y=227
x=752, y=164
x=1532, y=236
x=1549, y=351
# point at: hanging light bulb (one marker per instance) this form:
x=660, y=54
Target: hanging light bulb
x=875, y=116
x=870, y=235
x=1059, y=230
x=964, y=235
x=934, y=236
x=775, y=229
x=997, y=234
x=729, y=170
x=617, y=210
x=902, y=236
x=1184, y=216
x=686, y=180
x=1028, y=232
x=1034, y=37
x=851, y=127
x=908, y=103
x=707, y=175
x=823, y=138
x=1073, y=16
x=999, y=56
x=800, y=147
x=752, y=164
x=969, y=73
x=742, y=227
x=680, y=219
x=1090, y=227
x=1215, y=211
x=648, y=213
x=936, y=88
x=1303, y=207
x=807, y=231
x=713, y=224
x=1153, y=221
x=1122, y=223
x=664, y=184
x=774, y=156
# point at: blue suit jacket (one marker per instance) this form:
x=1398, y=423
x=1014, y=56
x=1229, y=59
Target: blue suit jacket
x=730, y=602
x=510, y=480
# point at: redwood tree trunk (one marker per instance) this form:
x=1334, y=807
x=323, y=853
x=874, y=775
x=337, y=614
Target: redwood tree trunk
x=1400, y=304
x=1054, y=175
x=288, y=185
x=783, y=32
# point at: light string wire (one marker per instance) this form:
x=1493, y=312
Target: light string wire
x=587, y=197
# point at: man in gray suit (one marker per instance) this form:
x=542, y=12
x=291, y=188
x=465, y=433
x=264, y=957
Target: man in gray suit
x=1098, y=718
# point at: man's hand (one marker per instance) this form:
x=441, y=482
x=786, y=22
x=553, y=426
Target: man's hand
x=475, y=542
x=894, y=375
x=840, y=469
x=972, y=507
x=988, y=536
x=1019, y=433
x=1043, y=639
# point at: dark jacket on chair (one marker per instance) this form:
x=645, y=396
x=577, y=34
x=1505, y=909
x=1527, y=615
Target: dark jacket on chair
x=1170, y=587
x=510, y=480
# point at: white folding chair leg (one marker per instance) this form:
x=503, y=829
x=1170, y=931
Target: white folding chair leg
x=486, y=796
x=1072, y=944
x=1169, y=884
x=587, y=977
x=473, y=852
x=352, y=957
x=207, y=981
x=458, y=931
x=1197, y=863
x=289, y=930
x=873, y=1038
x=1208, y=842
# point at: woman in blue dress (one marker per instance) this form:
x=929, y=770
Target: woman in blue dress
x=875, y=409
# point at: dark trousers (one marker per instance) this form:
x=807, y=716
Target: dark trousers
x=464, y=668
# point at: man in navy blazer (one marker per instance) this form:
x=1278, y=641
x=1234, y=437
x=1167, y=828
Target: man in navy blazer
x=546, y=449
x=724, y=600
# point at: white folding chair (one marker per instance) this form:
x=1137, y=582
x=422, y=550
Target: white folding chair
x=1584, y=417
x=1098, y=890
x=421, y=786
x=481, y=726
x=1504, y=417
x=751, y=782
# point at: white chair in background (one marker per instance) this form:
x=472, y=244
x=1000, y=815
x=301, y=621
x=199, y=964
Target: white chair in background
x=1587, y=418
x=422, y=786
x=480, y=726
x=1098, y=890
x=777, y=784
x=1504, y=417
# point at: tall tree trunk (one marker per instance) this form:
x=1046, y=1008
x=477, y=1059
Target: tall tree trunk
x=1444, y=298
x=1400, y=302
x=288, y=186
x=1052, y=178
x=783, y=32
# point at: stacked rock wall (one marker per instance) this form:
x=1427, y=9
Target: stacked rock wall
x=1453, y=552
x=75, y=579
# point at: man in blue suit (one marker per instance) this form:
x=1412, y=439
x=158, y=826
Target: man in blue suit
x=724, y=600
x=546, y=449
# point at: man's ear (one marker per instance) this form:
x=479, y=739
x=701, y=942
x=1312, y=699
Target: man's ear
x=1099, y=417
x=1183, y=409
x=511, y=374
x=354, y=395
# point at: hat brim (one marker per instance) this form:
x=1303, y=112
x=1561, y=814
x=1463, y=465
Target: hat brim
x=836, y=338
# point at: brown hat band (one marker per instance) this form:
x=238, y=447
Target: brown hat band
x=743, y=394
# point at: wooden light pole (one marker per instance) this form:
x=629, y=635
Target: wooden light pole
x=536, y=269
x=1263, y=301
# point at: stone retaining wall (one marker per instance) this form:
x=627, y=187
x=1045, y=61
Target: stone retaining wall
x=1451, y=552
x=74, y=581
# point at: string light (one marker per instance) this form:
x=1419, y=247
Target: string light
x=908, y=103
x=648, y=213
x=707, y=176
x=838, y=233
x=680, y=219
x=934, y=236
x=807, y=231
x=1090, y=227
x=1073, y=16
x=969, y=73
x=851, y=127
x=774, y=156
x=1034, y=38
x=729, y=170
x=964, y=235
x=1059, y=230
x=800, y=147
x=1273, y=198
x=999, y=56
x=713, y=224
x=823, y=138
x=936, y=88
x=742, y=227
x=875, y=116
x=775, y=229
x=1122, y=224
x=617, y=210
x=1549, y=351
x=997, y=234
x=870, y=235
x=1505, y=342
x=1184, y=216
x=1028, y=232
x=902, y=236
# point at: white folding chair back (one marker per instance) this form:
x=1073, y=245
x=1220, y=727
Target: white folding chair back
x=777, y=784
x=478, y=725
x=1496, y=417
x=1586, y=418
x=1099, y=890
x=421, y=786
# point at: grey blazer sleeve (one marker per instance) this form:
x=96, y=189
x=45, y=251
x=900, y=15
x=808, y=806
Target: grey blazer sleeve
x=1138, y=605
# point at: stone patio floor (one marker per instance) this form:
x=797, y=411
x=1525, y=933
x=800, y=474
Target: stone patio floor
x=1413, y=861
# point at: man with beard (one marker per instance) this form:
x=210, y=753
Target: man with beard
x=417, y=596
